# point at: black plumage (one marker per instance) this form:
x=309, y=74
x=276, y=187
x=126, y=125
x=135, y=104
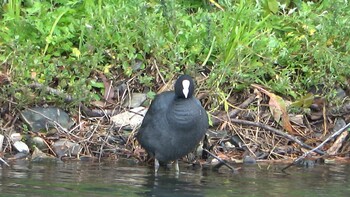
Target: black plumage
x=174, y=123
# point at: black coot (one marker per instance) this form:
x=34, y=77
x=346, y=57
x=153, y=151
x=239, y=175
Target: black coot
x=174, y=123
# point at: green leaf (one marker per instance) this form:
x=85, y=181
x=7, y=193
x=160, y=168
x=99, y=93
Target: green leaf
x=151, y=94
x=96, y=84
x=304, y=101
x=76, y=52
x=273, y=6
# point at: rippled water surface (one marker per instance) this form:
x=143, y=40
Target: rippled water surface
x=120, y=179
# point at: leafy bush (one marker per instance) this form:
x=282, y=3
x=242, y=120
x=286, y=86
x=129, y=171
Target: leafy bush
x=63, y=44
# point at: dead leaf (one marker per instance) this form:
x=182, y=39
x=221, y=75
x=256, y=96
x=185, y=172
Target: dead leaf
x=4, y=79
x=278, y=109
x=109, y=92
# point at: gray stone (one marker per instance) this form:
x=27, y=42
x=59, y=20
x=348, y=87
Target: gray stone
x=298, y=119
x=339, y=123
x=37, y=142
x=39, y=156
x=341, y=94
x=16, y=137
x=19, y=156
x=136, y=100
x=137, y=65
x=129, y=119
x=40, y=118
x=228, y=145
x=249, y=160
x=21, y=147
x=64, y=147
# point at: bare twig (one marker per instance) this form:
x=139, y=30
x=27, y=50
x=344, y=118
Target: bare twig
x=158, y=71
x=316, y=148
x=3, y=161
x=67, y=98
x=278, y=132
x=234, y=112
x=110, y=129
x=221, y=161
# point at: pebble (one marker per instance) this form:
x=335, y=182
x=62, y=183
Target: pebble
x=129, y=119
x=339, y=123
x=135, y=100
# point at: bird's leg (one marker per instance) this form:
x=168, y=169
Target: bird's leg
x=156, y=165
x=177, y=166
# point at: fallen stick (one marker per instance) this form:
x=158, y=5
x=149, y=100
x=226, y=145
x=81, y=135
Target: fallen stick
x=297, y=160
x=67, y=97
x=278, y=132
x=222, y=162
x=233, y=113
x=3, y=161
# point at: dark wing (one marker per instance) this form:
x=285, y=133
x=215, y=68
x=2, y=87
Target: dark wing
x=153, y=121
x=158, y=108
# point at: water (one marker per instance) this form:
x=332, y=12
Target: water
x=119, y=179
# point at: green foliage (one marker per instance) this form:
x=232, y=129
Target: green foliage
x=285, y=45
x=288, y=51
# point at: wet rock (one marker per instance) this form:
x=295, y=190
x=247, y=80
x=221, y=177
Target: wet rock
x=39, y=156
x=214, y=162
x=339, y=123
x=236, y=141
x=19, y=156
x=37, y=142
x=20, y=146
x=284, y=150
x=261, y=155
x=130, y=119
x=64, y=147
x=120, y=89
x=16, y=137
x=249, y=160
x=86, y=158
x=317, y=104
x=137, y=65
x=40, y=118
x=316, y=116
x=135, y=100
x=297, y=119
x=341, y=94
x=307, y=162
x=228, y=145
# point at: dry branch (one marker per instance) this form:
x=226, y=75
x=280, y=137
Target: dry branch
x=319, y=146
x=234, y=112
x=278, y=132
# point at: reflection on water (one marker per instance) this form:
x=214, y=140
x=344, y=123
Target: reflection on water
x=105, y=179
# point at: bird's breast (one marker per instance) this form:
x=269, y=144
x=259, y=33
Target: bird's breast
x=184, y=114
